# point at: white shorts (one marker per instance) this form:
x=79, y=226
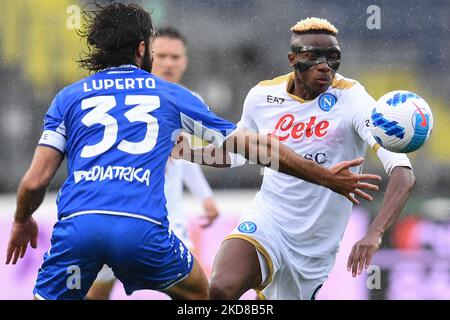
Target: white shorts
x=286, y=274
x=181, y=231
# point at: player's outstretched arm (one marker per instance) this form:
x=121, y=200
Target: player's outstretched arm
x=269, y=152
x=207, y=155
x=400, y=185
x=30, y=195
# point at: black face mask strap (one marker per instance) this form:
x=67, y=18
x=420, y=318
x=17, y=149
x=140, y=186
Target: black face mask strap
x=305, y=64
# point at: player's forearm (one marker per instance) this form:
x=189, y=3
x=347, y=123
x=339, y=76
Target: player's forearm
x=207, y=156
x=30, y=195
x=397, y=192
x=269, y=152
x=295, y=165
x=33, y=186
x=212, y=156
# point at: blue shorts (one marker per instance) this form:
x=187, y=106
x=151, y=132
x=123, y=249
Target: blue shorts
x=142, y=255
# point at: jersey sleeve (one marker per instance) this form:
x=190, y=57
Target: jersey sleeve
x=195, y=180
x=54, y=130
x=247, y=123
x=363, y=104
x=198, y=119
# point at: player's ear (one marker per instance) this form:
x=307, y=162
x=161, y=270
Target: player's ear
x=140, y=53
x=140, y=50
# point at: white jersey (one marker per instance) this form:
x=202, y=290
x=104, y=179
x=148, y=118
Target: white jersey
x=329, y=129
x=178, y=172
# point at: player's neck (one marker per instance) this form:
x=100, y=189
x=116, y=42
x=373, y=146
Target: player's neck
x=299, y=90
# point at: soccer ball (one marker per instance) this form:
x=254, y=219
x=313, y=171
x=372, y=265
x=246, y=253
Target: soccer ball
x=401, y=122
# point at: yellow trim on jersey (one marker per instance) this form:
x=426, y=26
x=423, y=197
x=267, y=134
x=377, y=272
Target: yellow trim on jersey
x=342, y=84
x=261, y=295
x=261, y=249
x=289, y=79
x=375, y=147
x=275, y=81
x=289, y=87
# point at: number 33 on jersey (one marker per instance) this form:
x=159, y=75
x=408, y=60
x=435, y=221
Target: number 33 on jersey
x=117, y=128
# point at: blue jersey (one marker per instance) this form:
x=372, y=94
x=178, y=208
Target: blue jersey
x=117, y=128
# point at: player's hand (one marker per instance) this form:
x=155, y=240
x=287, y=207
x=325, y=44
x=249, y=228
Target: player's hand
x=183, y=147
x=211, y=212
x=362, y=253
x=21, y=235
x=349, y=184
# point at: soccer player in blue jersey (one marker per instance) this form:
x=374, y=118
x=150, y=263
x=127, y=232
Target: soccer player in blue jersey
x=117, y=128
x=169, y=62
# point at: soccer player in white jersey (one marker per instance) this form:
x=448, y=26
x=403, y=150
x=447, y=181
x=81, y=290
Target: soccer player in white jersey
x=170, y=62
x=286, y=242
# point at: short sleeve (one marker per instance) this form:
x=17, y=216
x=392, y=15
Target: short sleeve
x=54, y=130
x=197, y=119
x=195, y=180
x=247, y=123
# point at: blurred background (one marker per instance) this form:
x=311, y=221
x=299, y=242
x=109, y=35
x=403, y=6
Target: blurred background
x=232, y=45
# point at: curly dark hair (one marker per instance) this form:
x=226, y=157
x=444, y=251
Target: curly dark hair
x=113, y=33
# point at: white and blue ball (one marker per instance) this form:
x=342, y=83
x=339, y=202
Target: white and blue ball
x=401, y=122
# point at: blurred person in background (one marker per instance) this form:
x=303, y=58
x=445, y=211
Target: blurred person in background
x=170, y=62
x=285, y=244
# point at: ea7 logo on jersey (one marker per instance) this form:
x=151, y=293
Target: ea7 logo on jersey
x=287, y=127
x=272, y=99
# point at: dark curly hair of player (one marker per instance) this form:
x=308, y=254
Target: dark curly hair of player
x=113, y=33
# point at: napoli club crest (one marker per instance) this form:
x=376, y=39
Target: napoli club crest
x=327, y=101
